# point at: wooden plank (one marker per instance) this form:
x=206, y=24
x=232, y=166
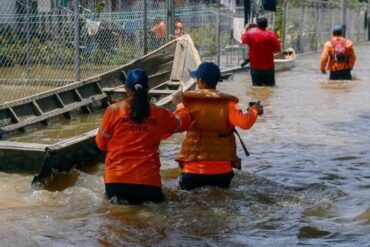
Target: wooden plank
x=37, y=108
x=34, y=147
x=162, y=91
x=13, y=116
x=56, y=112
x=120, y=89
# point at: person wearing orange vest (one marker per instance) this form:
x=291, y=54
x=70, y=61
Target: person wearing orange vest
x=159, y=33
x=130, y=134
x=338, y=56
x=208, y=152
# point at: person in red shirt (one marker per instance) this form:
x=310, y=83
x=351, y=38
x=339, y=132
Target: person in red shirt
x=208, y=152
x=262, y=46
x=130, y=134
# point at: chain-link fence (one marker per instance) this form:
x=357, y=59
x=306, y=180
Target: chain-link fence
x=49, y=43
x=309, y=23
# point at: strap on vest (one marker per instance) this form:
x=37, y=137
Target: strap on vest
x=241, y=142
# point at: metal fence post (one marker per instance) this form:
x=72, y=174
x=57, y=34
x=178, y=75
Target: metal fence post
x=145, y=26
x=28, y=40
x=332, y=20
x=344, y=17
x=368, y=20
x=170, y=18
x=318, y=24
x=285, y=13
x=77, y=40
x=301, y=31
x=218, y=40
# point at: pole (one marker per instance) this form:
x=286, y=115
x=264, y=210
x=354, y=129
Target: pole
x=218, y=58
x=344, y=17
x=332, y=20
x=77, y=40
x=285, y=13
x=170, y=19
x=145, y=26
x=301, y=31
x=28, y=40
x=247, y=11
x=317, y=24
x=368, y=19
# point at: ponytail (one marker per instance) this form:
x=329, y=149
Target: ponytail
x=140, y=107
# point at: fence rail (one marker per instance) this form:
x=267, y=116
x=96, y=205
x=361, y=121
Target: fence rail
x=44, y=45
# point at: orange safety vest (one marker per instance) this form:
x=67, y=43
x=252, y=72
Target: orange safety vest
x=210, y=136
x=132, y=148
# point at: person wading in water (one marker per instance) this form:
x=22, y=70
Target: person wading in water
x=262, y=46
x=338, y=56
x=130, y=133
x=208, y=152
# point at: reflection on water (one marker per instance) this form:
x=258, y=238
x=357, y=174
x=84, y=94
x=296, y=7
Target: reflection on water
x=59, y=129
x=306, y=182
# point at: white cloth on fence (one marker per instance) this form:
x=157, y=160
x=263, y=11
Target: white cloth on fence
x=231, y=4
x=92, y=26
x=238, y=28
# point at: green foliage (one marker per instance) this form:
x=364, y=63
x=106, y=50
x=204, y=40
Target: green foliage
x=99, y=7
x=205, y=39
x=104, y=57
x=16, y=50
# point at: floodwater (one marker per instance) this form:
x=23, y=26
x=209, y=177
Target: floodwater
x=307, y=181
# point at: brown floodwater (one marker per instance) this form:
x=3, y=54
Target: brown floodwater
x=307, y=181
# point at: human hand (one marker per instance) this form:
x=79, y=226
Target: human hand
x=249, y=26
x=257, y=106
x=323, y=71
x=177, y=98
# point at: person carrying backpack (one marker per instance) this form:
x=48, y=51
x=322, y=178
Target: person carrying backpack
x=338, y=56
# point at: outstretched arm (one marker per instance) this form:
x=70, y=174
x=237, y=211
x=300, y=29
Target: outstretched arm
x=244, y=120
x=351, y=56
x=177, y=121
x=105, y=131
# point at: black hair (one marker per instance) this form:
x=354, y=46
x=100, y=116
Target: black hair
x=337, y=32
x=140, y=106
x=262, y=22
x=211, y=84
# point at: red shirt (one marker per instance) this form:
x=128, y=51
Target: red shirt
x=262, y=46
x=132, y=149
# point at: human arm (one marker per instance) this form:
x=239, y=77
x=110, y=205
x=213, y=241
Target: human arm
x=351, y=55
x=276, y=44
x=244, y=120
x=248, y=27
x=177, y=121
x=245, y=38
x=105, y=131
x=324, y=58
